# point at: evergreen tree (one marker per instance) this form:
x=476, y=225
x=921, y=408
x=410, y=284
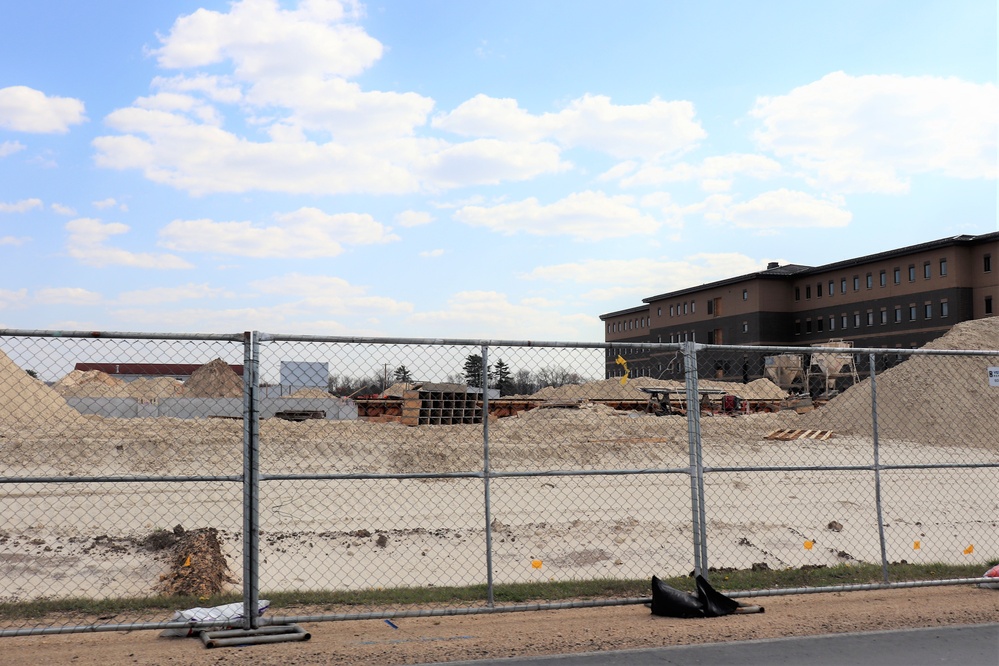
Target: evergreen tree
x=504, y=378
x=473, y=370
x=402, y=375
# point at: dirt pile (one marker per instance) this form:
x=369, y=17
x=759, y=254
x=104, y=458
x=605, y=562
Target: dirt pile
x=26, y=401
x=214, y=379
x=90, y=384
x=198, y=567
x=929, y=399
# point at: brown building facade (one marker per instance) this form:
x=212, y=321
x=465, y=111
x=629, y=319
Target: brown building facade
x=901, y=298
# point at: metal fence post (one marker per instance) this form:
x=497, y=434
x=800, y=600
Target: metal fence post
x=696, y=459
x=485, y=476
x=251, y=479
x=877, y=468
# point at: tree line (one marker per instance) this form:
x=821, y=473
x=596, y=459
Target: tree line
x=499, y=376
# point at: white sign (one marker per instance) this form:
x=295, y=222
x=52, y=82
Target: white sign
x=993, y=376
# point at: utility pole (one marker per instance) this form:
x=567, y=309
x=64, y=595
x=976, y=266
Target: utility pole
x=384, y=376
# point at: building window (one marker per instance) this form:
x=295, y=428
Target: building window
x=842, y=321
x=842, y=285
x=808, y=291
x=927, y=272
x=818, y=290
x=944, y=308
x=671, y=311
x=808, y=326
x=884, y=316
x=659, y=312
x=898, y=314
x=711, y=308
x=819, y=323
x=797, y=293
x=870, y=318
x=684, y=308
x=883, y=276
x=943, y=267
x=987, y=263
x=832, y=287
x=832, y=323
x=928, y=310
x=912, y=313
x=745, y=327
x=896, y=275
x=912, y=272
x=856, y=320
x=988, y=305
x=870, y=281
x=745, y=294
x=693, y=307
x=797, y=327
x=856, y=283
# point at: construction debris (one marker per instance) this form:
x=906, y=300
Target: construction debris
x=787, y=434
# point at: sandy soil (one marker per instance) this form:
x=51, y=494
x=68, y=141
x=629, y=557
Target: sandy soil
x=428, y=640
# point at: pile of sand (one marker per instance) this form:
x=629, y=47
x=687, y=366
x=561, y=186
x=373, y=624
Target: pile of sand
x=941, y=400
x=214, y=379
x=153, y=389
x=92, y=384
x=26, y=401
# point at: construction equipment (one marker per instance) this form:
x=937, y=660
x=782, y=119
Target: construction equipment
x=831, y=372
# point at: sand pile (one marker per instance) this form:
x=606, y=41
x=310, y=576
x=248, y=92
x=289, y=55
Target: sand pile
x=91, y=384
x=214, y=379
x=153, y=389
x=927, y=399
x=26, y=401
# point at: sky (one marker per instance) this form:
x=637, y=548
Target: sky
x=504, y=170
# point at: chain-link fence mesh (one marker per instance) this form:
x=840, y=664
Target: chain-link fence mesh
x=459, y=476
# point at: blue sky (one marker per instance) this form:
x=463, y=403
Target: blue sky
x=502, y=170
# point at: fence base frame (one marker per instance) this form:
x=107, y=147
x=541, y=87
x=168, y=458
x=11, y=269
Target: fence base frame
x=280, y=633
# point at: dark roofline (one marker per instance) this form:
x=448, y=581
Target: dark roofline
x=796, y=270
x=634, y=310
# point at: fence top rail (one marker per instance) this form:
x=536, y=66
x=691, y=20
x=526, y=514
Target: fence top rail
x=119, y=335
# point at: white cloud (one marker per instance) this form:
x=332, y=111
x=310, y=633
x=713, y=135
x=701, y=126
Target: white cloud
x=86, y=243
x=872, y=133
x=325, y=295
x=306, y=233
x=159, y=295
x=490, y=162
x=22, y=206
x=583, y=215
x=713, y=173
x=490, y=314
x=104, y=203
x=10, y=147
x=656, y=128
x=67, y=296
x=635, y=279
x=62, y=210
x=785, y=208
x=13, y=240
x=432, y=254
x=24, y=109
x=413, y=218
x=10, y=298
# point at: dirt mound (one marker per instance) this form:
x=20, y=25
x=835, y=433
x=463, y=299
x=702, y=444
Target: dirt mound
x=26, y=401
x=90, y=384
x=214, y=379
x=198, y=568
x=928, y=399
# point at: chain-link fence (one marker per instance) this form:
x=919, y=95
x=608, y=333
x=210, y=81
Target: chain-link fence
x=350, y=478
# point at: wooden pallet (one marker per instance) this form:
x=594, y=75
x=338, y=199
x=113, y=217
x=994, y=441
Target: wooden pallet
x=787, y=434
